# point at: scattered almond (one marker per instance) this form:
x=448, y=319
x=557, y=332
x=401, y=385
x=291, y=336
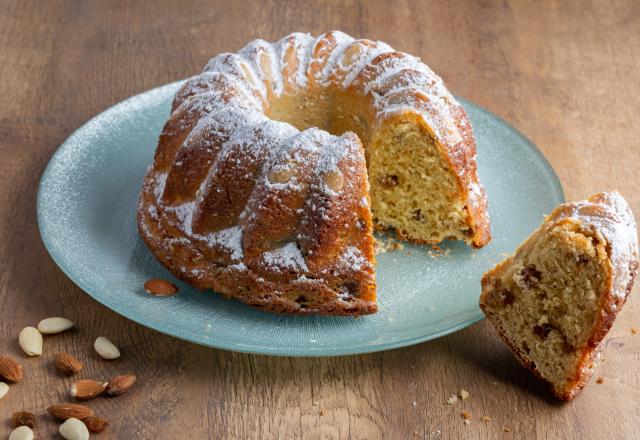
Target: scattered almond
x=120, y=384
x=23, y=418
x=465, y=415
x=10, y=369
x=63, y=411
x=96, y=424
x=600, y=380
x=106, y=349
x=464, y=394
x=21, y=433
x=160, y=287
x=486, y=419
x=74, y=429
x=51, y=326
x=4, y=389
x=507, y=429
x=634, y=330
x=66, y=364
x=30, y=340
x=86, y=389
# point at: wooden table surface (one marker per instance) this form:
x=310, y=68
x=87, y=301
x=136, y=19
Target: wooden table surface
x=567, y=74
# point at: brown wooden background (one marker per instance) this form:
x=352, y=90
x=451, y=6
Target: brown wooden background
x=567, y=74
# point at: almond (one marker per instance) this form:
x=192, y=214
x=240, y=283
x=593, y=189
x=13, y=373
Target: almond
x=74, y=429
x=96, y=424
x=4, y=389
x=63, y=411
x=120, y=384
x=23, y=418
x=10, y=369
x=106, y=349
x=66, y=364
x=87, y=389
x=51, y=326
x=159, y=287
x=21, y=433
x=30, y=340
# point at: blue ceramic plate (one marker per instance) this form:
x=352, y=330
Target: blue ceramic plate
x=86, y=213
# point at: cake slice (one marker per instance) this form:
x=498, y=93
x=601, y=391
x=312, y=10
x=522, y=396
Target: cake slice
x=555, y=299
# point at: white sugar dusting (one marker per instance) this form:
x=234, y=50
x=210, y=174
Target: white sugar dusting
x=287, y=257
x=229, y=99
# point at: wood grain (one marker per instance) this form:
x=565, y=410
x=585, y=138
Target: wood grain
x=565, y=73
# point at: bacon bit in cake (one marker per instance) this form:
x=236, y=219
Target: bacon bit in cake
x=464, y=394
x=600, y=380
x=452, y=399
x=507, y=429
x=486, y=419
x=634, y=330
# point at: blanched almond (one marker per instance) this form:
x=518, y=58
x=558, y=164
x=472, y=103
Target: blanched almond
x=86, y=389
x=66, y=364
x=4, y=389
x=160, y=287
x=120, y=384
x=21, y=433
x=30, y=340
x=74, y=429
x=63, y=411
x=51, y=326
x=10, y=369
x=106, y=349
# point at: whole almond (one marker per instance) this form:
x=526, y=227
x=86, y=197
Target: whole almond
x=23, y=418
x=74, y=429
x=30, y=340
x=96, y=424
x=51, y=326
x=21, y=433
x=106, y=349
x=86, y=389
x=66, y=364
x=10, y=369
x=159, y=287
x=63, y=411
x=120, y=384
x=4, y=389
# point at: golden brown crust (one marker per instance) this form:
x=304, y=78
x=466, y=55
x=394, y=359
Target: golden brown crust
x=244, y=205
x=606, y=218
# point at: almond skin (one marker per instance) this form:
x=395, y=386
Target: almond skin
x=10, y=369
x=23, y=418
x=96, y=424
x=120, y=384
x=66, y=364
x=87, y=389
x=159, y=287
x=64, y=411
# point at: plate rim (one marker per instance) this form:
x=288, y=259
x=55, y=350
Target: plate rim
x=323, y=351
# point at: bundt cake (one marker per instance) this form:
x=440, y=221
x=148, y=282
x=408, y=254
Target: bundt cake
x=556, y=298
x=277, y=162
